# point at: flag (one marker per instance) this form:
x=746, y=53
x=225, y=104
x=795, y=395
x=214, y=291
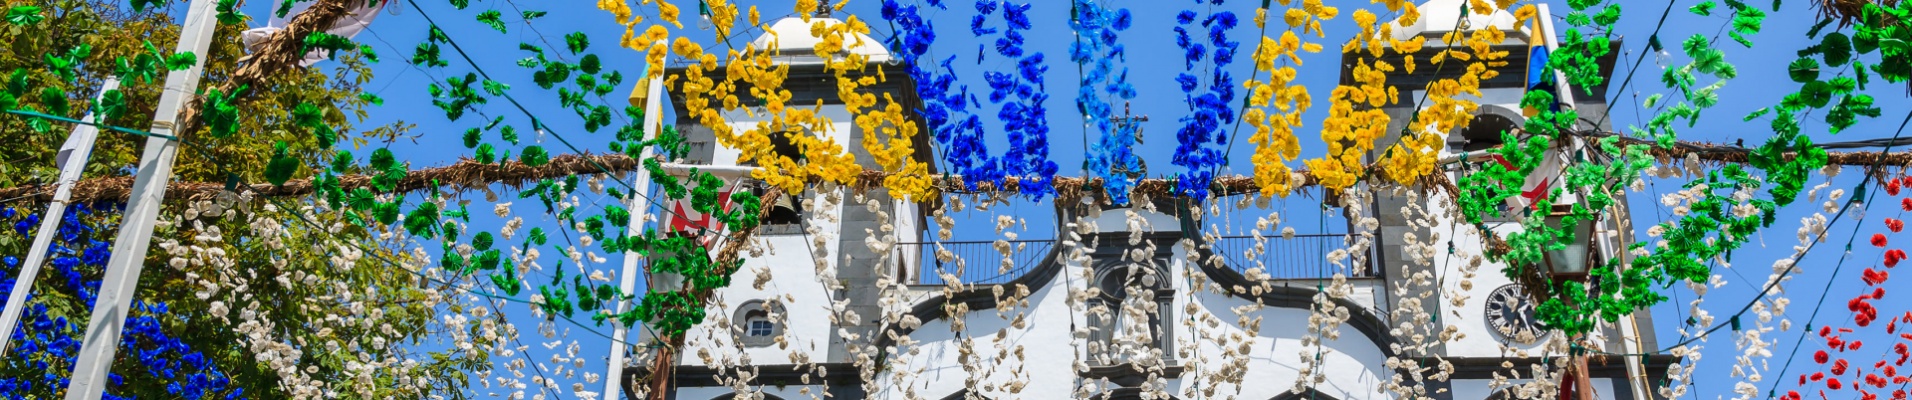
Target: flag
x=1540, y=182
x=1552, y=162
x=1538, y=76
x=682, y=219
x=350, y=25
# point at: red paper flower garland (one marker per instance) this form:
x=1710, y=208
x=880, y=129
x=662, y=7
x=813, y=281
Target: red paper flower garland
x=1883, y=374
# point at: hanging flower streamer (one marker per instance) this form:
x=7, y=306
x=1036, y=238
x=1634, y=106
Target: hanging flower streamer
x=1112, y=156
x=755, y=72
x=1202, y=135
x=1869, y=380
x=1021, y=95
x=1274, y=138
x=888, y=133
x=946, y=105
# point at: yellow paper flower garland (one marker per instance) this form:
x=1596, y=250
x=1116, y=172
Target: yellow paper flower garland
x=1274, y=138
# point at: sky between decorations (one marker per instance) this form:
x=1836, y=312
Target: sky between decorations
x=1150, y=38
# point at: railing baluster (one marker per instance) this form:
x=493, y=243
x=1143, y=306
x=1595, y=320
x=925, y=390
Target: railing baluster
x=979, y=263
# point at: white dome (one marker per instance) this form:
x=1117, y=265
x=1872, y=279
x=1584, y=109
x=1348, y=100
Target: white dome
x=1439, y=16
x=795, y=43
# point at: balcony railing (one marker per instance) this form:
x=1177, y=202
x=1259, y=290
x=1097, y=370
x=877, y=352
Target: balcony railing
x=1302, y=257
x=982, y=263
x=979, y=262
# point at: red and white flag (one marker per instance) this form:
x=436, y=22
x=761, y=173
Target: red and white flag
x=1541, y=181
x=680, y=218
x=355, y=21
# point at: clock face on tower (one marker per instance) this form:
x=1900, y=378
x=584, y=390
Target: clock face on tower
x=1511, y=315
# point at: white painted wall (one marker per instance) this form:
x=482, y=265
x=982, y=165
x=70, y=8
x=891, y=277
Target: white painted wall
x=1479, y=389
x=793, y=276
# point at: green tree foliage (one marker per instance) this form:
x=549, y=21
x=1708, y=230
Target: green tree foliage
x=288, y=298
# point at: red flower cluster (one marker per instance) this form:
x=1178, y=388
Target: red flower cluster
x=1863, y=313
x=1893, y=257
x=1894, y=224
x=1875, y=277
x=1906, y=203
x=1878, y=239
x=1892, y=187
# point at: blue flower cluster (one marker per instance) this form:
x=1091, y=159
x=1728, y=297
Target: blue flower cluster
x=1021, y=95
x=947, y=105
x=1096, y=51
x=45, y=346
x=1209, y=109
x=946, y=111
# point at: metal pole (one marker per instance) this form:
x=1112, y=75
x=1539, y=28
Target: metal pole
x=627, y=281
x=142, y=210
x=72, y=162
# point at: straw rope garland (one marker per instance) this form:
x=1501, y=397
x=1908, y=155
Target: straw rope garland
x=467, y=174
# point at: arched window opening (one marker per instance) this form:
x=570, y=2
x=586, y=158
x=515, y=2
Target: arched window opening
x=1126, y=285
x=786, y=212
x=1484, y=132
x=759, y=323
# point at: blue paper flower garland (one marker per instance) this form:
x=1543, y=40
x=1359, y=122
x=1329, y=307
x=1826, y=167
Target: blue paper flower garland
x=1096, y=52
x=945, y=111
x=1020, y=95
x=1201, y=137
x=947, y=106
x=46, y=343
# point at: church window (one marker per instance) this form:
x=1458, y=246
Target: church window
x=757, y=323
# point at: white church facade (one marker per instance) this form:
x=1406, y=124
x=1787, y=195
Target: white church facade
x=1125, y=302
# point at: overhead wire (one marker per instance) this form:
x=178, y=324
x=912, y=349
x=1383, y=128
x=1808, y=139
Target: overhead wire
x=539, y=126
x=1794, y=264
x=1653, y=39
x=1836, y=268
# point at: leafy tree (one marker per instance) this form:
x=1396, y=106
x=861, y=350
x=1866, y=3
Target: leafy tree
x=282, y=299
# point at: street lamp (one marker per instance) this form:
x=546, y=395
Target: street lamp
x=1574, y=260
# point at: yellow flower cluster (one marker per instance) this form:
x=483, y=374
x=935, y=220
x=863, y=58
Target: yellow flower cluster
x=753, y=72
x=723, y=16
x=888, y=133
x=1355, y=121
x=653, y=42
x=825, y=160
x=1274, y=138
x=1418, y=151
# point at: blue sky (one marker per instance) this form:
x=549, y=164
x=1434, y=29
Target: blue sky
x=1153, y=58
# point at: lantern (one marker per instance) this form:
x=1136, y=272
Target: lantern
x=1573, y=260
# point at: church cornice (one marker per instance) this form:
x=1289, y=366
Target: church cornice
x=1236, y=285
x=976, y=298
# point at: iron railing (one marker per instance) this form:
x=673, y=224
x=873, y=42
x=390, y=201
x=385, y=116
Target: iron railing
x=1302, y=257
x=982, y=262
x=978, y=262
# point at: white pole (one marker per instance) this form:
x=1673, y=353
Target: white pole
x=142, y=210
x=72, y=162
x=627, y=281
